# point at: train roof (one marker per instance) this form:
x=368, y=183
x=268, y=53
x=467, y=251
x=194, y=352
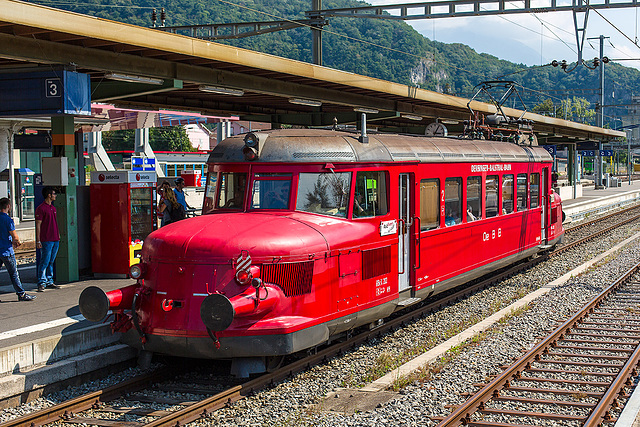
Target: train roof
x=319, y=145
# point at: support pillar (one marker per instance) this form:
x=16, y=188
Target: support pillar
x=99, y=158
x=571, y=167
x=64, y=145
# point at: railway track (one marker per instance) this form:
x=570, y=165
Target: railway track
x=134, y=394
x=581, y=369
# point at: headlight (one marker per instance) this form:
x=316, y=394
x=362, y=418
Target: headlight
x=251, y=140
x=243, y=277
x=136, y=271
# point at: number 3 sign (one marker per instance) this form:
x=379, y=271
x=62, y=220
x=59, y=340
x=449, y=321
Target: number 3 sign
x=53, y=88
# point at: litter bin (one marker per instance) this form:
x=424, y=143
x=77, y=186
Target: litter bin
x=191, y=178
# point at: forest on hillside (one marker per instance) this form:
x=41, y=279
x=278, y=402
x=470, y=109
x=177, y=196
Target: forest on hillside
x=388, y=50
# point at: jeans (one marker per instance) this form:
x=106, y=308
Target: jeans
x=47, y=258
x=12, y=268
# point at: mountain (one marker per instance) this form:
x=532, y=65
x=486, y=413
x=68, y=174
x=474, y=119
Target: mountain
x=384, y=49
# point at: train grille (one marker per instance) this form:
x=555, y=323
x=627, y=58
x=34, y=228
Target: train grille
x=376, y=262
x=294, y=278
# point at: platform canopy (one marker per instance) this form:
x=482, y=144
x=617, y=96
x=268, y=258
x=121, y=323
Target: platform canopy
x=144, y=68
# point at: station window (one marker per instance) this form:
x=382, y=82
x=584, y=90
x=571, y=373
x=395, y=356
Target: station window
x=210, y=192
x=429, y=204
x=491, y=186
x=232, y=189
x=452, y=201
x=271, y=191
x=534, y=189
x=522, y=191
x=371, y=195
x=507, y=194
x=324, y=193
x=474, y=198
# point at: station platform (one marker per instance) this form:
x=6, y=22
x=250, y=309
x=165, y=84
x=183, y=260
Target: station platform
x=47, y=340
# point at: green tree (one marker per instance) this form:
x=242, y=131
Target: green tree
x=172, y=138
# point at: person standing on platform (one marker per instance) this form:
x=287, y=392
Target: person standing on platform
x=8, y=239
x=47, y=239
x=180, y=196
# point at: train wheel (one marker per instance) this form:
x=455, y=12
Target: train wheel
x=273, y=363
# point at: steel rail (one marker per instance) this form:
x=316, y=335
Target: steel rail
x=571, y=245
x=462, y=415
x=65, y=410
x=602, y=218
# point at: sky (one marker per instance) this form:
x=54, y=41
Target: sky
x=538, y=39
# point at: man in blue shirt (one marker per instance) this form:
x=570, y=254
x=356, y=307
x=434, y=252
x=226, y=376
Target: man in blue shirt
x=9, y=239
x=180, y=196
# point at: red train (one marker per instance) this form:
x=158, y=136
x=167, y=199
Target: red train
x=307, y=234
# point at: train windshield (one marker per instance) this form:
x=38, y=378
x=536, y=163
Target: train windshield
x=271, y=191
x=210, y=192
x=324, y=193
x=232, y=190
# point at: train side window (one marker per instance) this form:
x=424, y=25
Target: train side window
x=371, y=195
x=429, y=204
x=452, y=201
x=232, y=189
x=324, y=193
x=271, y=191
x=210, y=192
x=534, y=189
x=507, y=194
x=474, y=198
x=522, y=191
x=491, y=186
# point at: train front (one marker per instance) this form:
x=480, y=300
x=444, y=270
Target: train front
x=235, y=282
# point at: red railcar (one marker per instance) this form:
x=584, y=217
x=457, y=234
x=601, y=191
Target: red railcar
x=306, y=234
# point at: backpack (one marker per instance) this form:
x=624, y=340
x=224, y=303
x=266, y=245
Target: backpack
x=176, y=214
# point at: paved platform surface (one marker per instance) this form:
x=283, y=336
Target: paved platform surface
x=43, y=340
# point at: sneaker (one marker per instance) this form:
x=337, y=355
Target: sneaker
x=26, y=297
x=52, y=286
x=40, y=288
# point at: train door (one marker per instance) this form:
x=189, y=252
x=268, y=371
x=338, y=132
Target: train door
x=404, y=227
x=545, y=205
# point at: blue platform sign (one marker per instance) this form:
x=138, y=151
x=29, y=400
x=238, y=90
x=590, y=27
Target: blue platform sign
x=588, y=153
x=606, y=153
x=551, y=149
x=45, y=93
x=143, y=163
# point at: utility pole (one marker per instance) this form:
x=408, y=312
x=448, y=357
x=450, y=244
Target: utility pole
x=316, y=31
x=600, y=115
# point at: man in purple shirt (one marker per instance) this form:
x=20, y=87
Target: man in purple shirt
x=47, y=239
x=9, y=239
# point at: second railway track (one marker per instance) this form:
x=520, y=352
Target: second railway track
x=577, y=375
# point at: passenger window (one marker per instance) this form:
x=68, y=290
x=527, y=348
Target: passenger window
x=429, y=204
x=452, y=201
x=507, y=194
x=210, y=192
x=491, y=186
x=534, y=190
x=371, y=196
x=271, y=191
x=232, y=189
x=474, y=198
x=522, y=191
x=324, y=193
